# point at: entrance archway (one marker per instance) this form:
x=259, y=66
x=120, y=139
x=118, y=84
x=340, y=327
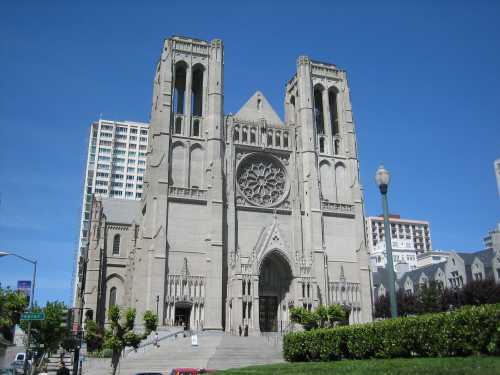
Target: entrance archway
x=274, y=285
x=182, y=314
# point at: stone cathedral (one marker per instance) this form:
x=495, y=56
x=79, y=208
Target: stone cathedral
x=244, y=215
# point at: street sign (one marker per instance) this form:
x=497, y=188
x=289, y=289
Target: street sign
x=33, y=316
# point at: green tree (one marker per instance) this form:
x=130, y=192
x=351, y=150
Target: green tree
x=94, y=336
x=429, y=298
x=322, y=313
x=338, y=315
x=50, y=333
x=12, y=305
x=121, y=332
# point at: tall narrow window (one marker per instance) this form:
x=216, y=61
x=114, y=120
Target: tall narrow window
x=116, y=244
x=336, y=146
x=243, y=288
x=292, y=109
x=334, y=119
x=249, y=288
x=178, y=125
x=236, y=134
x=249, y=310
x=244, y=137
x=112, y=297
x=197, y=91
x=318, y=110
x=285, y=139
x=321, y=144
x=196, y=128
x=180, y=88
x=244, y=310
x=252, y=136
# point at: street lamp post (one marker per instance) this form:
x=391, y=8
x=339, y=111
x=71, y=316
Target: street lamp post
x=32, y=297
x=382, y=177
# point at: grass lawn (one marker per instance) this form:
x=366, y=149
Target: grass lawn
x=402, y=366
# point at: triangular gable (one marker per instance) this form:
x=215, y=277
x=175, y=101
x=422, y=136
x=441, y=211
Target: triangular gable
x=257, y=108
x=269, y=239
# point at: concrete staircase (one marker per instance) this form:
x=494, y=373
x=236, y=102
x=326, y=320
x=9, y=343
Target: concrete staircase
x=215, y=350
x=55, y=359
x=235, y=351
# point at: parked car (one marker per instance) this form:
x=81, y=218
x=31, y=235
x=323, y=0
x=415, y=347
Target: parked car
x=190, y=371
x=18, y=367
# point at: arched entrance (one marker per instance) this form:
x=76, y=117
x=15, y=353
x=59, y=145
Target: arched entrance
x=182, y=314
x=274, y=285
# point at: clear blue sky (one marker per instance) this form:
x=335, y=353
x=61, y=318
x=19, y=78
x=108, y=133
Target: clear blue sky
x=424, y=78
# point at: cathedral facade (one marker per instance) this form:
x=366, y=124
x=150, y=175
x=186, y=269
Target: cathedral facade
x=244, y=216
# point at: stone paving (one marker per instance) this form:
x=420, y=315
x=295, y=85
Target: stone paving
x=215, y=350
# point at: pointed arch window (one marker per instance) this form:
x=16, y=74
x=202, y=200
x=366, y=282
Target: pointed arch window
x=197, y=91
x=244, y=137
x=236, y=134
x=112, y=297
x=334, y=118
x=252, y=136
x=116, y=244
x=318, y=110
x=292, y=109
x=180, y=87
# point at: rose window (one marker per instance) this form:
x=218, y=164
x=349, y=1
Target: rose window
x=262, y=180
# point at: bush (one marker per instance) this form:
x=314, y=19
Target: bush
x=469, y=330
x=322, y=317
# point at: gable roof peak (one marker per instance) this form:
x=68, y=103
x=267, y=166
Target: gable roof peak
x=257, y=108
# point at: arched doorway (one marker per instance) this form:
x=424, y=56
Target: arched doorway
x=183, y=314
x=274, y=285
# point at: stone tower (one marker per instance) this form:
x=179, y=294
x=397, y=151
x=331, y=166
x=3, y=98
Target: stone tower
x=181, y=241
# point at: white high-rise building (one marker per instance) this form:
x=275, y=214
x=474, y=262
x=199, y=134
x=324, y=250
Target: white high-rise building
x=116, y=162
x=497, y=173
x=416, y=231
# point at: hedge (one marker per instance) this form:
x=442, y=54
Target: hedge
x=466, y=331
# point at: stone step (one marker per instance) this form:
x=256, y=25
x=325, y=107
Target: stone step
x=215, y=350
